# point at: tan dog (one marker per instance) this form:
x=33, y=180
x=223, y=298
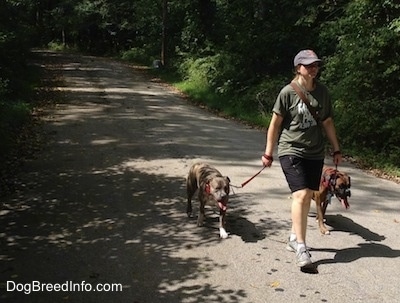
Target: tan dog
x=333, y=183
x=213, y=190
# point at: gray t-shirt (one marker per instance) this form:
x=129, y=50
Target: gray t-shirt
x=300, y=134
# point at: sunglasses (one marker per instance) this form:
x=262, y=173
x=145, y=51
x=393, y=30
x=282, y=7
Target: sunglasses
x=312, y=65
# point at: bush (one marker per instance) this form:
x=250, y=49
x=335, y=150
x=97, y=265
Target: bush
x=139, y=55
x=262, y=97
x=363, y=77
x=13, y=115
x=221, y=72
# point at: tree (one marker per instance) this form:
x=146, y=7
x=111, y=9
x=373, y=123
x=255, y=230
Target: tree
x=164, y=33
x=364, y=70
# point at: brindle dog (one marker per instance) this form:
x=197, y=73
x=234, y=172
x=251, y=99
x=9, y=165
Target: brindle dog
x=333, y=183
x=213, y=189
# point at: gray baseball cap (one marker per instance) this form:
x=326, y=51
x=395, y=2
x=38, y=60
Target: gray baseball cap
x=306, y=57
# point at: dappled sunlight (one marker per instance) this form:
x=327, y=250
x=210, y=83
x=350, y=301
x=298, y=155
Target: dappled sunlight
x=113, y=92
x=105, y=200
x=103, y=141
x=99, y=225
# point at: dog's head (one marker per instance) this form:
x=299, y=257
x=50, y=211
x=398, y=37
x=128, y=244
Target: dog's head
x=339, y=184
x=218, y=187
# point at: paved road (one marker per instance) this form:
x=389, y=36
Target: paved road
x=104, y=203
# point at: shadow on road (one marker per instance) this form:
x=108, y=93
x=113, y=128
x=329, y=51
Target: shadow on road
x=363, y=250
x=340, y=223
x=95, y=205
x=104, y=202
x=105, y=234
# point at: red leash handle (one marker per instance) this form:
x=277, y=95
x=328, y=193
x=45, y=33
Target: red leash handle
x=244, y=183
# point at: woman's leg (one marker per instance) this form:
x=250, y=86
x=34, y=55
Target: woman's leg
x=300, y=208
x=302, y=176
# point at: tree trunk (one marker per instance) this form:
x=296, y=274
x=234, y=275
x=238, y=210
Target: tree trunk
x=164, y=33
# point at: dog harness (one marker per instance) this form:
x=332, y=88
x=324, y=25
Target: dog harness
x=328, y=180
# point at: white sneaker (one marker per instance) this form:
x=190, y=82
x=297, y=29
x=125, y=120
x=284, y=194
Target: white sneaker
x=303, y=257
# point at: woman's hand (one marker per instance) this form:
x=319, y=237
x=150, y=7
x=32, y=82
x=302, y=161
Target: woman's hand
x=337, y=157
x=267, y=160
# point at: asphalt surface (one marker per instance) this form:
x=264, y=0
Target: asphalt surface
x=104, y=204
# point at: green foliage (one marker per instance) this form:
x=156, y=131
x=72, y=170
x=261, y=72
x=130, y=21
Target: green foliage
x=220, y=72
x=262, y=97
x=13, y=115
x=364, y=73
x=56, y=46
x=137, y=55
x=16, y=39
x=17, y=36
x=198, y=81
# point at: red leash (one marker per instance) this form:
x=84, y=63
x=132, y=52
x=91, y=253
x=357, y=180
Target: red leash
x=244, y=183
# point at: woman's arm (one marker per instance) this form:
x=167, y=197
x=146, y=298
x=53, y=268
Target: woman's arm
x=272, y=137
x=330, y=131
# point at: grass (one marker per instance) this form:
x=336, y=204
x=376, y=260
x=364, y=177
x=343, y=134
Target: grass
x=16, y=104
x=221, y=104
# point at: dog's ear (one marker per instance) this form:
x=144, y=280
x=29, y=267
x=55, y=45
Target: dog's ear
x=325, y=181
x=346, y=178
x=228, y=182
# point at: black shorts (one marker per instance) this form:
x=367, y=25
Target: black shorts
x=301, y=173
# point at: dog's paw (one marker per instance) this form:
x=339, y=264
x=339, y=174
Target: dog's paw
x=222, y=233
x=325, y=231
x=200, y=219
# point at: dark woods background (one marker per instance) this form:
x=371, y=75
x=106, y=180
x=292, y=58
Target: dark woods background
x=241, y=50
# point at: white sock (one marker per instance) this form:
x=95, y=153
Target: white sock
x=292, y=237
x=300, y=245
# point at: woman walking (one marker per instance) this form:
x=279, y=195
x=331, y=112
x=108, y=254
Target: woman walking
x=299, y=129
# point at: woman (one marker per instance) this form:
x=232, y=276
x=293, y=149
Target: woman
x=301, y=146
